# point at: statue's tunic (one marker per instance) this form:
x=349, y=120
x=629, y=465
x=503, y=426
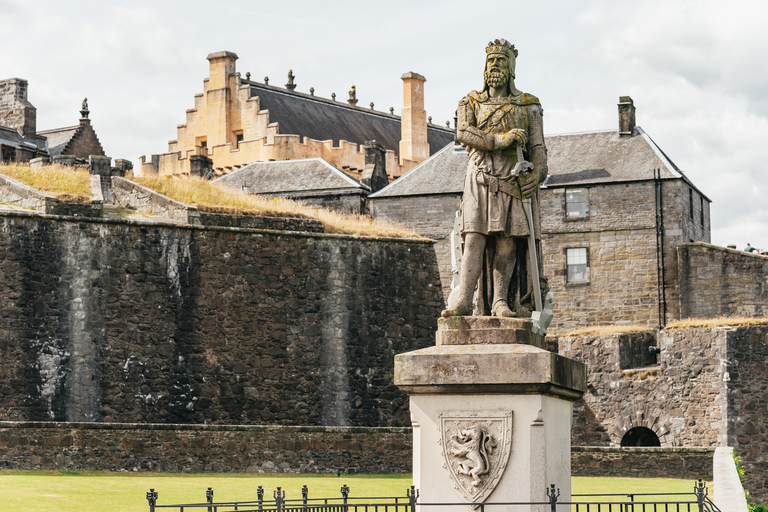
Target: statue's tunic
x=487, y=209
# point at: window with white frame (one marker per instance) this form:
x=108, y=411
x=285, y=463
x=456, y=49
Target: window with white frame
x=575, y=203
x=576, y=263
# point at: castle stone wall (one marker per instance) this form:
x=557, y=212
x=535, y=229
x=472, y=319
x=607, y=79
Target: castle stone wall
x=715, y=281
x=708, y=388
x=203, y=448
x=431, y=216
x=125, y=322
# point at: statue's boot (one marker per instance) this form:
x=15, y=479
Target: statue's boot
x=501, y=308
x=458, y=310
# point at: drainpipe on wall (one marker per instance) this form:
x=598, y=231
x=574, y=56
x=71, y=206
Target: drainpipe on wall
x=659, y=199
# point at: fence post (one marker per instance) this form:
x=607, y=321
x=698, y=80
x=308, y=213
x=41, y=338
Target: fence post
x=152, y=499
x=553, y=494
x=413, y=495
x=344, y=495
x=304, y=494
x=260, y=495
x=700, y=491
x=209, y=498
x=279, y=497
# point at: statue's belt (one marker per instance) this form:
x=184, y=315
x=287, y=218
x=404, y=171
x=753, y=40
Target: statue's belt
x=495, y=184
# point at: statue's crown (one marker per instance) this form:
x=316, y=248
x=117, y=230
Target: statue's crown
x=501, y=46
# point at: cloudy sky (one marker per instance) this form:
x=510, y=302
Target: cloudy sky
x=697, y=70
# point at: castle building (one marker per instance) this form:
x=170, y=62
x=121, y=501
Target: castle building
x=237, y=121
x=614, y=210
x=21, y=142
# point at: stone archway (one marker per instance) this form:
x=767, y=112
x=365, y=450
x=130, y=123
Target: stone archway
x=640, y=436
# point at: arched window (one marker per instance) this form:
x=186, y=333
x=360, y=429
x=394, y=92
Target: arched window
x=640, y=436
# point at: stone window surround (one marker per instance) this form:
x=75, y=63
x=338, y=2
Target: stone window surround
x=587, y=279
x=572, y=218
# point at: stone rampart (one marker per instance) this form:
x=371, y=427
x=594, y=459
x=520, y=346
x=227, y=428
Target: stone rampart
x=203, y=448
x=642, y=462
x=706, y=388
x=715, y=281
x=121, y=321
x=128, y=194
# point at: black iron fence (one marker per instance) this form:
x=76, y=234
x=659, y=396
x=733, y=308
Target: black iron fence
x=696, y=501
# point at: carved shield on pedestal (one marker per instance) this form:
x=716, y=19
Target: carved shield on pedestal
x=475, y=446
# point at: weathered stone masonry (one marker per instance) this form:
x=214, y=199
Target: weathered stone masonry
x=125, y=322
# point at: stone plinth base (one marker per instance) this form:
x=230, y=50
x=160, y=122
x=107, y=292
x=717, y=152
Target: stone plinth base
x=491, y=421
x=472, y=330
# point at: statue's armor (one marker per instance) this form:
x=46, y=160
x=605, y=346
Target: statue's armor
x=492, y=200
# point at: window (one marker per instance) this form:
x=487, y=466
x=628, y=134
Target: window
x=690, y=202
x=576, y=263
x=575, y=203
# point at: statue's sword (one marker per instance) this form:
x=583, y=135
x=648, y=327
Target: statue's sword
x=525, y=167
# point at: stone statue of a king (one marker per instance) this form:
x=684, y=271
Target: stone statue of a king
x=500, y=127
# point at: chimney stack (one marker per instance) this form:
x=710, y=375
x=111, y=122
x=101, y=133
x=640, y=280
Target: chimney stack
x=626, y=116
x=219, y=129
x=16, y=111
x=413, y=123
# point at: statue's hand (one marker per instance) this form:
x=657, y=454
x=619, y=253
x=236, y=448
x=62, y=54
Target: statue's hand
x=505, y=140
x=528, y=183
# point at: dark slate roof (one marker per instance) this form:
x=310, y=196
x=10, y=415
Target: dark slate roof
x=573, y=159
x=58, y=138
x=442, y=173
x=313, y=174
x=322, y=119
x=10, y=137
x=599, y=157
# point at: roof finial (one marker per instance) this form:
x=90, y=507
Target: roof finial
x=429, y=119
x=290, y=85
x=352, y=96
x=248, y=76
x=371, y=105
x=266, y=80
x=392, y=111
x=333, y=96
x=311, y=91
x=84, y=109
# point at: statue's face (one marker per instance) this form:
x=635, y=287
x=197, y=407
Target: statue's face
x=497, y=70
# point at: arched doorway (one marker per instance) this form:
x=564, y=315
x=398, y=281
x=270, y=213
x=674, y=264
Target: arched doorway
x=640, y=436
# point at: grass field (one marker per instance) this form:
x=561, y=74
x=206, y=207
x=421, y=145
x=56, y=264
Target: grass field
x=61, y=491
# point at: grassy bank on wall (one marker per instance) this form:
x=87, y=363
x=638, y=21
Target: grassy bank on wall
x=45, y=491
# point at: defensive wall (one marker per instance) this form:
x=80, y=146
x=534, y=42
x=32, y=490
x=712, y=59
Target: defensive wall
x=705, y=388
x=121, y=321
x=715, y=281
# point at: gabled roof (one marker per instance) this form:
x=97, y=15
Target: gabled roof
x=573, y=159
x=58, y=138
x=300, y=176
x=442, y=173
x=599, y=157
x=323, y=119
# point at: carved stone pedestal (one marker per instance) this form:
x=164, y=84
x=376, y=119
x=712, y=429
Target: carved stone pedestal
x=491, y=418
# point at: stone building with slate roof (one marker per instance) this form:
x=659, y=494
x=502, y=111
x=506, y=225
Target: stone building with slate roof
x=614, y=210
x=237, y=121
x=312, y=181
x=79, y=141
x=21, y=142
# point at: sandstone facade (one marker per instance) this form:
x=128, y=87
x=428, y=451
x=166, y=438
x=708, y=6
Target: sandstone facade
x=230, y=124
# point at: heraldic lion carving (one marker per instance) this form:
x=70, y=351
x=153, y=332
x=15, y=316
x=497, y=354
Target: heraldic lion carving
x=475, y=444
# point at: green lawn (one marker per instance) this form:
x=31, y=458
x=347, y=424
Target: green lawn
x=61, y=491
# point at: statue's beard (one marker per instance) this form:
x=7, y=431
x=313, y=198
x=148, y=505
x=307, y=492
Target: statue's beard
x=496, y=78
